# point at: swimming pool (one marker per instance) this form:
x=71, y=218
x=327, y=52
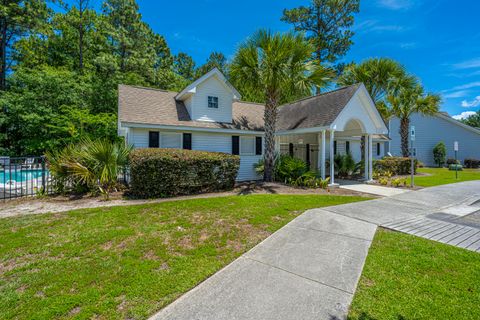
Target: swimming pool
x=20, y=175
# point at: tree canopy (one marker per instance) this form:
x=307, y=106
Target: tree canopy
x=63, y=69
x=278, y=67
x=327, y=24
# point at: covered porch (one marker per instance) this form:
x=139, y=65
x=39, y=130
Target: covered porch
x=328, y=128
x=318, y=149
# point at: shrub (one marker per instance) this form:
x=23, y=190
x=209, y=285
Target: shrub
x=472, y=163
x=440, y=153
x=396, y=165
x=172, y=172
x=455, y=167
x=88, y=166
x=452, y=161
x=344, y=165
x=294, y=171
x=288, y=168
x=383, y=181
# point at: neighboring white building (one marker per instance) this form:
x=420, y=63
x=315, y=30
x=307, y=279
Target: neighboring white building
x=209, y=115
x=430, y=130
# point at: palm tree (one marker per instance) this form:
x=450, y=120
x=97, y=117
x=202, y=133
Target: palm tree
x=406, y=99
x=377, y=74
x=394, y=91
x=277, y=67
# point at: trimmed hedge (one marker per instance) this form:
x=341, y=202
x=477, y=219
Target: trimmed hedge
x=455, y=167
x=472, y=163
x=452, y=161
x=171, y=172
x=396, y=165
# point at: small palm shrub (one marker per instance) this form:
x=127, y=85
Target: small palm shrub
x=89, y=166
x=344, y=165
x=293, y=171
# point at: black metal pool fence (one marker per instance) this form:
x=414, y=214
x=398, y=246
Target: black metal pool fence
x=23, y=177
x=29, y=176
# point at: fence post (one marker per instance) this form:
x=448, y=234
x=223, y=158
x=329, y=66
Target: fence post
x=42, y=160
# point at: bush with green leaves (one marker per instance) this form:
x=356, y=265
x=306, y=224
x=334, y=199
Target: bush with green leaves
x=89, y=166
x=440, y=153
x=452, y=161
x=163, y=173
x=294, y=171
x=396, y=165
x=455, y=167
x=344, y=165
x=472, y=163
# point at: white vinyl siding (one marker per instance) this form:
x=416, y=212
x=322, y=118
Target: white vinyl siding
x=430, y=131
x=212, y=142
x=199, y=109
x=170, y=140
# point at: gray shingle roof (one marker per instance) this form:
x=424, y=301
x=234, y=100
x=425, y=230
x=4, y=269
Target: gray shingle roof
x=159, y=107
x=317, y=111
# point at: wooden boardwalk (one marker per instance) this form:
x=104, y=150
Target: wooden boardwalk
x=450, y=232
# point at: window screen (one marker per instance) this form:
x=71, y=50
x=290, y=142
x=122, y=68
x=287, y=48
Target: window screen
x=247, y=145
x=171, y=140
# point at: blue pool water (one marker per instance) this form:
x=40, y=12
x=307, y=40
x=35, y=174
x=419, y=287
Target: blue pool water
x=20, y=175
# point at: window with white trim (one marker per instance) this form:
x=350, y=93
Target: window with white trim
x=213, y=102
x=247, y=146
x=171, y=140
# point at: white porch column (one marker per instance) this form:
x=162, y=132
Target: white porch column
x=322, y=166
x=332, y=157
x=370, y=158
x=367, y=157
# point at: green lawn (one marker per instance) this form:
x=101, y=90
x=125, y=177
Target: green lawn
x=407, y=277
x=439, y=176
x=129, y=262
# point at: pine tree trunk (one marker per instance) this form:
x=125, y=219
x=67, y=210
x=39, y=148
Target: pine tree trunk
x=3, y=54
x=404, y=128
x=270, y=117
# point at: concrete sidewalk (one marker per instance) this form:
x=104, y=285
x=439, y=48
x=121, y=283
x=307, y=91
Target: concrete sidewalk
x=307, y=270
x=374, y=189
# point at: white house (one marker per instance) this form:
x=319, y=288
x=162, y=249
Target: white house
x=209, y=115
x=430, y=130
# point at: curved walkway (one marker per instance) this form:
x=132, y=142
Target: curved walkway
x=309, y=269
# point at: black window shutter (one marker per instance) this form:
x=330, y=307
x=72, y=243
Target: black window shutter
x=290, y=149
x=153, y=139
x=187, y=141
x=347, y=146
x=235, y=145
x=258, y=145
x=334, y=147
x=378, y=149
x=307, y=154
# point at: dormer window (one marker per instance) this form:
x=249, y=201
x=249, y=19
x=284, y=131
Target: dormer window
x=213, y=102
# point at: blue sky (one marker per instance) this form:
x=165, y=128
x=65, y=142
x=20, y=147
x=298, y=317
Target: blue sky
x=438, y=40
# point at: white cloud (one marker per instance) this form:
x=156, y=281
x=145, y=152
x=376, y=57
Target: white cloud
x=464, y=115
x=456, y=94
x=471, y=104
x=408, y=45
x=466, y=86
x=469, y=64
x=375, y=26
x=396, y=4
